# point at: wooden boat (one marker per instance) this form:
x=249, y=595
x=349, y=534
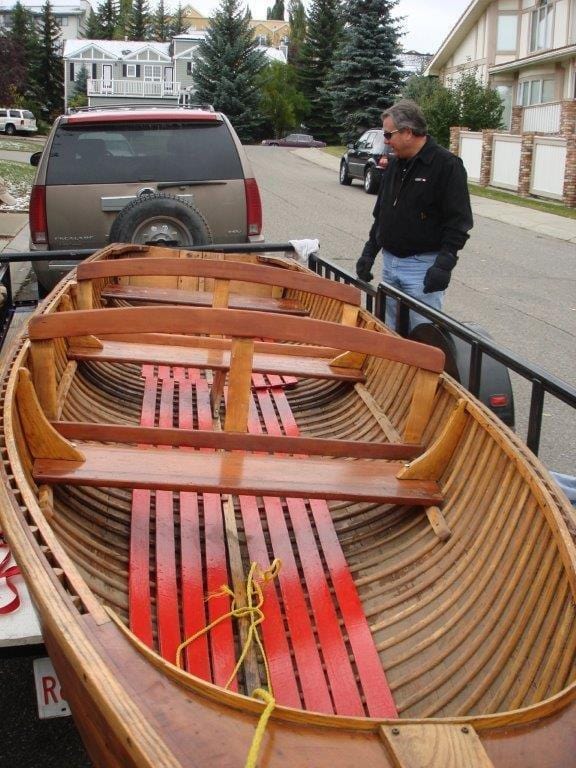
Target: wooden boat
x=201, y=450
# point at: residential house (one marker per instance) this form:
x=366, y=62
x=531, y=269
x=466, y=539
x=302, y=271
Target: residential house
x=137, y=72
x=526, y=50
x=71, y=15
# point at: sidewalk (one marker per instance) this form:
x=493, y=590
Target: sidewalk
x=537, y=221
x=14, y=238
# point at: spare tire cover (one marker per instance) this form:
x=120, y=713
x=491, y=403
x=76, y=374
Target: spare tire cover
x=162, y=219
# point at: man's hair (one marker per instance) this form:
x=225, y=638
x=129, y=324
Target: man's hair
x=407, y=114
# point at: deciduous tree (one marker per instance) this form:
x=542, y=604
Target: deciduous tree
x=282, y=104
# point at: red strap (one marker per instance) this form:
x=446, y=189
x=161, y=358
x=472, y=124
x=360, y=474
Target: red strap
x=7, y=572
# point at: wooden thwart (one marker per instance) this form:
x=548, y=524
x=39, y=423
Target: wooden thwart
x=143, y=294
x=316, y=478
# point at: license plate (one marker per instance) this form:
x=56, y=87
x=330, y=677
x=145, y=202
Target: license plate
x=51, y=702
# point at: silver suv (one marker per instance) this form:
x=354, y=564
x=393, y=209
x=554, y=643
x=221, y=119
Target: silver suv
x=161, y=175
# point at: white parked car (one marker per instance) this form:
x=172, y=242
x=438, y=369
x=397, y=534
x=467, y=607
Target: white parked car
x=15, y=120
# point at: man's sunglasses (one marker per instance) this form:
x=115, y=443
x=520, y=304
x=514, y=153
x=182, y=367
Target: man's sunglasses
x=388, y=134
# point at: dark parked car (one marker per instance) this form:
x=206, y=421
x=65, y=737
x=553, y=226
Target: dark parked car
x=294, y=140
x=361, y=160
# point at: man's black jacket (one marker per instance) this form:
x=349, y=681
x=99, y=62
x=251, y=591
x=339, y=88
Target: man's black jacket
x=427, y=210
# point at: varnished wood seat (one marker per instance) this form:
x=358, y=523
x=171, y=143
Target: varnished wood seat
x=242, y=327
x=224, y=273
x=143, y=294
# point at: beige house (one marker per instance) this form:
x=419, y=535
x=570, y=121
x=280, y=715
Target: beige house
x=272, y=33
x=526, y=49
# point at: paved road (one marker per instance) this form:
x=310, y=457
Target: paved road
x=519, y=285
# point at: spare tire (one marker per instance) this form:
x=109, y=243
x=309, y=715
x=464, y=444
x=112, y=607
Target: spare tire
x=159, y=219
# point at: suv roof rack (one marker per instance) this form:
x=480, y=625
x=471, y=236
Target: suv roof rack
x=134, y=107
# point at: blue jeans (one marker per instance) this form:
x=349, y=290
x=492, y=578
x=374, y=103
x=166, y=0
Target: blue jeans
x=407, y=275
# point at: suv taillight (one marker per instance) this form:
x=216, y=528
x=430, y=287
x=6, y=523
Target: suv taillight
x=253, y=207
x=37, y=215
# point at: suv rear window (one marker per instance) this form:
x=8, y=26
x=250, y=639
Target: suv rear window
x=28, y=115
x=129, y=152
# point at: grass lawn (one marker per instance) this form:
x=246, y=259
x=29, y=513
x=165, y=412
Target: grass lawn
x=18, y=178
x=20, y=144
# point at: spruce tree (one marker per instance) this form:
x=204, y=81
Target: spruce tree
x=277, y=11
x=227, y=66
x=297, y=20
x=139, y=21
x=93, y=30
x=108, y=17
x=367, y=74
x=177, y=23
x=21, y=52
x=323, y=35
x=161, y=24
x=48, y=73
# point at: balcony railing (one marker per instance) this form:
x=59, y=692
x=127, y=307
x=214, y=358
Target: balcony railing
x=132, y=88
x=544, y=118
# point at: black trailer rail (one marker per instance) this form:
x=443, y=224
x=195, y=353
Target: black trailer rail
x=541, y=382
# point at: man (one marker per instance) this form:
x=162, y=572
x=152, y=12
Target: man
x=422, y=215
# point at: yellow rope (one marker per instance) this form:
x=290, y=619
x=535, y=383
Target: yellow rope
x=253, y=612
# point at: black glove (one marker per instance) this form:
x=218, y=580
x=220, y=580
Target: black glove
x=364, y=263
x=438, y=276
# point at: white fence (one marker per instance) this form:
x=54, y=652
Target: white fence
x=548, y=166
x=543, y=118
x=505, y=170
x=132, y=88
x=471, y=153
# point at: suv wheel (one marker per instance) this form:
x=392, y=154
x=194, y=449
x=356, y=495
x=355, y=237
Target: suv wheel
x=10, y=129
x=345, y=177
x=371, y=181
x=160, y=220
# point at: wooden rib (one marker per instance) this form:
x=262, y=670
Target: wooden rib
x=387, y=427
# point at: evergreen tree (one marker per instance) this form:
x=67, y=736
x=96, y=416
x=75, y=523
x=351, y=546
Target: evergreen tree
x=177, y=23
x=161, y=24
x=108, y=17
x=139, y=21
x=367, y=74
x=79, y=97
x=297, y=20
x=48, y=73
x=22, y=48
x=93, y=30
x=282, y=104
x=123, y=19
x=227, y=66
x=277, y=11
x=323, y=35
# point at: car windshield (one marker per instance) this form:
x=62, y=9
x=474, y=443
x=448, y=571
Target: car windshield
x=129, y=152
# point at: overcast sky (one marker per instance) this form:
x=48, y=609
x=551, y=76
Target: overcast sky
x=427, y=22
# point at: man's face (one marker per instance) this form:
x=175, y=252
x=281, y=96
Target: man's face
x=400, y=140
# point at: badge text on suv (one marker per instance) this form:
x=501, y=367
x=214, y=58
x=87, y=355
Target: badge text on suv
x=172, y=176
x=360, y=161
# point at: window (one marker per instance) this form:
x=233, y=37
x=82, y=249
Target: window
x=152, y=73
x=507, y=33
x=541, y=27
x=130, y=70
x=71, y=71
x=188, y=67
x=505, y=92
x=535, y=92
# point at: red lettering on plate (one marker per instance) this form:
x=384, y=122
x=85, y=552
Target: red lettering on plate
x=49, y=687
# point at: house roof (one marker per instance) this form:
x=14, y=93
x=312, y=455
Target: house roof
x=457, y=35
x=118, y=49
x=60, y=7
